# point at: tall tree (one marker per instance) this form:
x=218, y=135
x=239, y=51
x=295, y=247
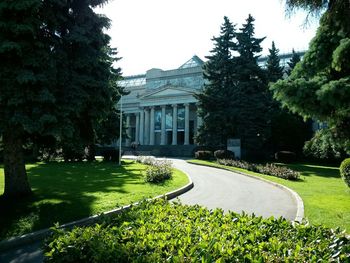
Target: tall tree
x=319, y=86
x=55, y=71
x=293, y=62
x=273, y=67
x=215, y=99
x=251, y=96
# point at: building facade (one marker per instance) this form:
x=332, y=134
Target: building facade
x=161, y=110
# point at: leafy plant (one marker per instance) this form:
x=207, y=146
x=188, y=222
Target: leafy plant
x=159, y=171
x=203, y=155
x=159, y=231
x=224, y=154
x=345, y=171
x=268, y=169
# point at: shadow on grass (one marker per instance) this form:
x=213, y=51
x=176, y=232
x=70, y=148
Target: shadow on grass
x=63, y=192
x=314, y=170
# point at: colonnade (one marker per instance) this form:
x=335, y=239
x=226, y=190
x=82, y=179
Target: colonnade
x=145, y=125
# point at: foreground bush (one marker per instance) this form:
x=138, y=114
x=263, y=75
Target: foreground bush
x=169, y=232
x=268, y=169
x=224, y=154
x=203, y=155
x=159, y=171
x=345, y=171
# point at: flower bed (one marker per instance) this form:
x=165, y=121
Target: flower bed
x=157, y=171
x=268, y=169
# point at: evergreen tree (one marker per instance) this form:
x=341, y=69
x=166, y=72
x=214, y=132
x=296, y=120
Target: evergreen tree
x=273, y=67
x=288, y=131
x=215, y=99
x=251, y=97
x=56, y=77
x=293, y=62
x=319, y=86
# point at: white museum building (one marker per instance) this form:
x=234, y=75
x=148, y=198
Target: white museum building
x=161, y=110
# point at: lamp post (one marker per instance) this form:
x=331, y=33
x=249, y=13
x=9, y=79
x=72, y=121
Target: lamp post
x=120, y=129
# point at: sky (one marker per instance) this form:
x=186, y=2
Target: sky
x=166, y=33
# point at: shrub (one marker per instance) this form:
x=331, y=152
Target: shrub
x=345, y=171
x=224, y=154
x=159, y=171
x=148, y=160
x=285, y=157
x=160, y=231
x=204, y=155
x=268, y=169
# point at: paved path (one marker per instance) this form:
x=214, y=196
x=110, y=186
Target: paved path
x=212, y=188
x=215, y=187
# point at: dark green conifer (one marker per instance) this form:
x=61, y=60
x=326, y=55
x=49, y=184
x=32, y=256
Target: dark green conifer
x=215, y=99
x=273, y=67
x=293, y=62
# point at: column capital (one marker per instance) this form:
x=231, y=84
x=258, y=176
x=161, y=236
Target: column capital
x=186, y=104
x=163, y=106
x=174, y=105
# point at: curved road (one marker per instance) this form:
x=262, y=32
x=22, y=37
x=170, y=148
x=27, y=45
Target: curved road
x=215, y=187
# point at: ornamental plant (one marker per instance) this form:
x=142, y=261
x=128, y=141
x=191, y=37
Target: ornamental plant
x=345, y=171
x=159, y=171
x=160, y=231
x=268, y=169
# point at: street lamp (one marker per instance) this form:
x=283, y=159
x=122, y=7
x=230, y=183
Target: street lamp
x=120, y=129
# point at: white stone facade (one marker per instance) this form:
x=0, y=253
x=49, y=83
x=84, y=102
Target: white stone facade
x=161, y=108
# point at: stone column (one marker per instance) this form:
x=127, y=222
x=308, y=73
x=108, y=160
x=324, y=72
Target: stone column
x=142, y=125
x=151, y=128
x=187, y=124
x=146, y=141
x=137, y=132
x=128, y=131
x=174, y=124
x=163, y=134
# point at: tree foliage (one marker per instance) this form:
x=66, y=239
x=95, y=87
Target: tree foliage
x=234, y=100
x=293, y=62
x=273, y=67
x=319, y=86
x=56, y=78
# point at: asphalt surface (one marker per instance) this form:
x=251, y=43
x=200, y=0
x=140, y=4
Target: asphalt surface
x=231, y=191
x=213, y=188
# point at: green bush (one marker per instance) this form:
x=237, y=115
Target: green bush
x=159, y=171
x=224, y=154
x=204, y=155
x=345, y=171
x=161, y=231
x=268, y=169
x=285, y=156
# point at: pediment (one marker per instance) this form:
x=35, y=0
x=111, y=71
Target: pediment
x=168, y=91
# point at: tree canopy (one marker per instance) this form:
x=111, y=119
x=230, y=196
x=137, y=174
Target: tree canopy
x=56, y=77
x=319, y=86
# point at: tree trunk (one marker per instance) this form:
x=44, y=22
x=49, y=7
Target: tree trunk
x=16, y=180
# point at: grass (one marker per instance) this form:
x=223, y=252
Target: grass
x=64, y=192
x=325, y=195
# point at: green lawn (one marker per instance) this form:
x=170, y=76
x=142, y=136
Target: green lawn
x=68, y=191
x=325, y=195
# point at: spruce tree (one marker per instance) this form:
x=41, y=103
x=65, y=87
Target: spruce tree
x=319, y=86
x=251, y=98
x=56, y=78
x=215, y=99
x=273, y=67
x=293, y=62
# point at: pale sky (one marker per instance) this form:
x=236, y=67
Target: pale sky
x=166, y=33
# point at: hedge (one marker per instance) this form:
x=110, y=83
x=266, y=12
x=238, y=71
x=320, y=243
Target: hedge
x=160, y=231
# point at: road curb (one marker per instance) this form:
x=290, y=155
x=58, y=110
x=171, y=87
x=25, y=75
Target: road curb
x=299, y=202
x=29, y=238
